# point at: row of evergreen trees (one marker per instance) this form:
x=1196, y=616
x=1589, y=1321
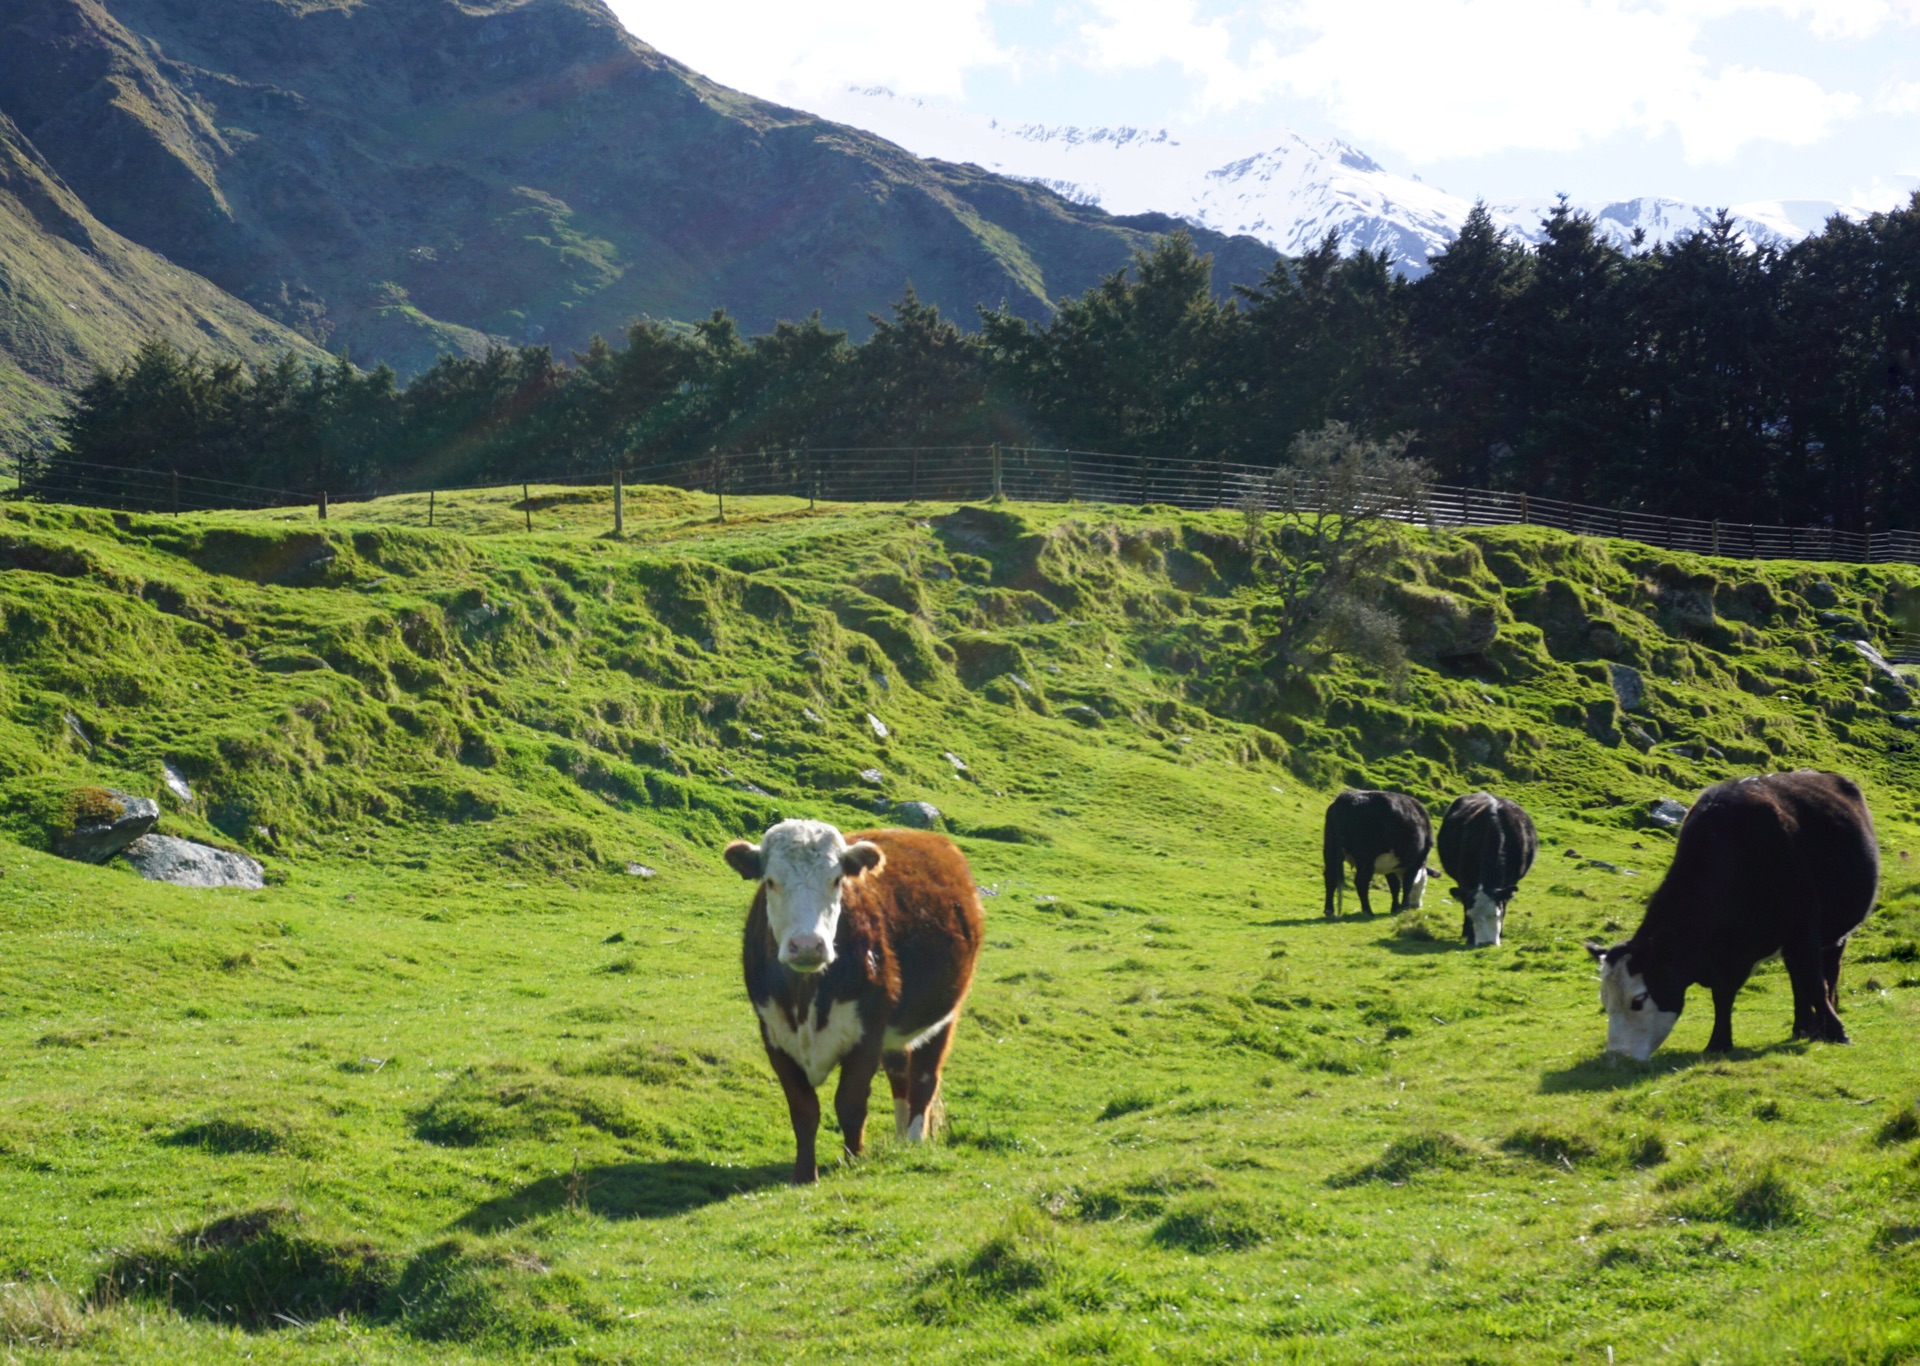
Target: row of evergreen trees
x=1701, y=378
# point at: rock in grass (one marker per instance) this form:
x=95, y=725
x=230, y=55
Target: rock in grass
x=1667, y=813
x=879, y=726
x=162, y=858
x=1082, y=713
x=176, y=781
x=102, y=822
x=873, y=775
x=1629, y=689
x=917, y=815
x=640, y=870
x=1907, y=720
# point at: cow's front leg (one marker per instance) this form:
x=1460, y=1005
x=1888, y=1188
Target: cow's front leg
x=803, y=1108
x=1361, y=877
x=850, y=1097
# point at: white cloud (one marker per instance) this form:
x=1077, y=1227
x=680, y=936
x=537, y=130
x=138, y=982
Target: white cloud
x=1903, y=98
x=1451, y=78
x=782, y=50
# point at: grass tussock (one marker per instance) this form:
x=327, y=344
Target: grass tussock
x=1216, y=1223
x=39, y=1315
x=1028, y=1270
x=1759, y=1199
x=1413, y=1155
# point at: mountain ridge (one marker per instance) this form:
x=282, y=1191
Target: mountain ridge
x=417, y=177
x=1288, y=194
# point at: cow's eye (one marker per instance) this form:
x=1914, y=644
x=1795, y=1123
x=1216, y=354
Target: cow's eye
x=772, y=886
x=1640, y=1001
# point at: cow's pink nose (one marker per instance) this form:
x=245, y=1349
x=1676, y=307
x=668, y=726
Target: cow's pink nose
x=806, y=950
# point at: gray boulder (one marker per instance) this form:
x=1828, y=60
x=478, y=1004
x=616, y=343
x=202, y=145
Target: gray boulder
x=1629, y=689
x=917, y=815
x=162, y=858
x=108, y=826
x=1083, y=714
x=1666, y=813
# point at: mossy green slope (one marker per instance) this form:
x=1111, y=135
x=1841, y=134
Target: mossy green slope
x=460, y=1085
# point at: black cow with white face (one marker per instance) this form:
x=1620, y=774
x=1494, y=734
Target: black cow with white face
x=1782, y=863
x=1377, y=832
x=1487, y=844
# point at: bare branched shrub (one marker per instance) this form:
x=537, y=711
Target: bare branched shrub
x=1344, y=503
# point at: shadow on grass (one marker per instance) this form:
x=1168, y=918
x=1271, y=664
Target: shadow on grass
x=625, y=1190
x=1411, y=947
x=1611, y=1072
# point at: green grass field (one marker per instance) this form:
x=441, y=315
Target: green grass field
x=459, y=1085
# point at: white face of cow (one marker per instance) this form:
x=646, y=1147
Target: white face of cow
x=801, y=866
x=1635, y=1024
x=1486, y=917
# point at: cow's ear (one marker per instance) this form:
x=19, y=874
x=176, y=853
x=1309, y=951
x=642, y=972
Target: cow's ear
x=864, y=857
x=745, y=860
x=1598, y=950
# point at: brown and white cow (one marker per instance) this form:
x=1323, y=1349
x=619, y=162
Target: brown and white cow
x=858, y=953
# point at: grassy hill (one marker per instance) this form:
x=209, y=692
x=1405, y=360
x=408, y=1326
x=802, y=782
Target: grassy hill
x=79, y=295
x=473, y=1078
x=419, y=177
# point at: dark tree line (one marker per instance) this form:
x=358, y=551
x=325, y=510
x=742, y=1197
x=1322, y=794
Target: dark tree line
x=1703, y=378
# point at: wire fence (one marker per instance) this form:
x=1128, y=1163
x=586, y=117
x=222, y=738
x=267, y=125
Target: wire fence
x=1023, y=474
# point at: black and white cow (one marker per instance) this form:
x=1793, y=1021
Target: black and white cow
x=1487, y=844
x=1783, y=863
x=1377, y=832
x=858, y=952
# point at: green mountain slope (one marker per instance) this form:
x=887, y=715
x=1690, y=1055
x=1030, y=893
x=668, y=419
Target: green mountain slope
x=74, y=294
x=404, y=178
x=472, y=1077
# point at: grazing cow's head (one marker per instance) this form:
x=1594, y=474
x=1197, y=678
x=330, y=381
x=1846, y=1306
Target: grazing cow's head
x=1640, y=1012
x=801, y=865
x=1486, y=914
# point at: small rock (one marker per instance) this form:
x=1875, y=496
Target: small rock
x=755, y=790
x=813, y=717
x=1602, y=865
x=1686, y=751
x=1052, y=668
x=1667, y=813
x=162, y=858
x=879, y=726
x=1571, y=852
x=176, y=781
x=1629, y=689
x=1907, y=720
x=959, y=764
x=1604, y=639
x=810, y=656
x=873, y=775
x=880, y=682
x=918, y=815
x=1878, y=661
x=1823, y=594
x=1183, y=739
x=1020, y=683
x=79, y=731
x=107, y=826
x=1082, y=713
x=1281, y=790
x=640, y=870
x=1045, y=900
x=1713, y=753
x=753, y=734
x=1843, y=624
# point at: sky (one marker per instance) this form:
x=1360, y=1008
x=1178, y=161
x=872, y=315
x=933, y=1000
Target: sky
x=1709, y=101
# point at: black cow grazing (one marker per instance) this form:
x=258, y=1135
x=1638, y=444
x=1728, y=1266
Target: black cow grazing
x=1377, y=832
x=858, y=952
x=1487, y=844
x=1784, y=863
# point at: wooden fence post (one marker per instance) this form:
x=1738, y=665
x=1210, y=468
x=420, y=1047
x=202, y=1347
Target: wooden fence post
x=813, y=483
x=1140, y=470
x=1716, y=535
x=1070, y=497
x=913, y=476
x=1523, y=510
x=997, y=494
x=526, y=505
x=619, y=503
x=1220, y=487
x=323, y=505
x=429, y=507
x=719, y=492
x=1466, y=507
x=176, y=495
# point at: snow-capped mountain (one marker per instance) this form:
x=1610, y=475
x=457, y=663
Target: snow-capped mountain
x=1289, y=195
